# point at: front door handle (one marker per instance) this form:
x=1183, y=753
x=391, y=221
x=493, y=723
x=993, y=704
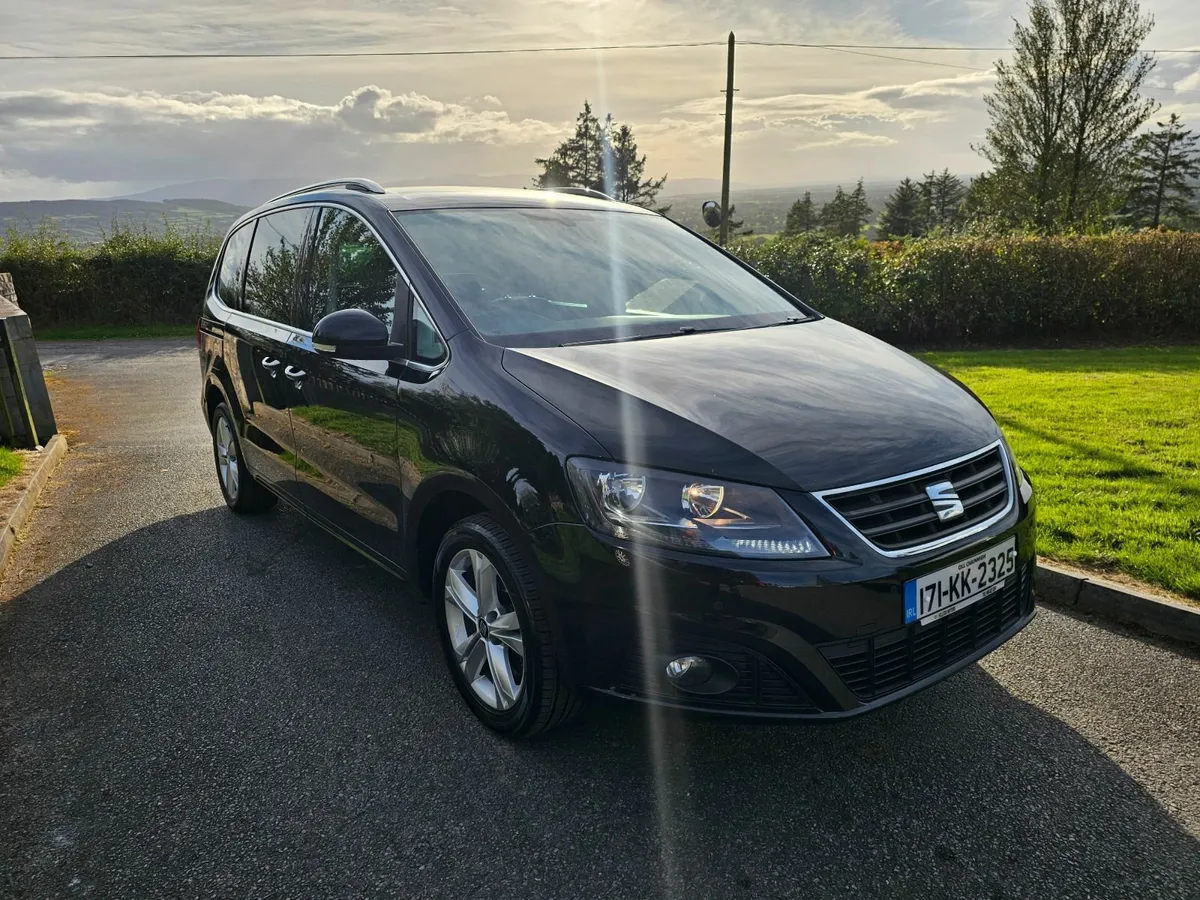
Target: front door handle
x=294, y=374
x=270, y=365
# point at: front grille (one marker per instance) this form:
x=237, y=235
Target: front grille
x=898, y=514
x=760, y=685
x=887, y=662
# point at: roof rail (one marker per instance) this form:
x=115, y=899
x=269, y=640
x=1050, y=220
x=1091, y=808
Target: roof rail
x=581, y=192
x=364, y=185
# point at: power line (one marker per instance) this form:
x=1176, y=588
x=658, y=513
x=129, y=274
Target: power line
x=931, y=48
x=349, y=54
x=923, y=62
x=352, y=54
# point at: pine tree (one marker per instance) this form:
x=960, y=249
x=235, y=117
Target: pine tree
x=833, y=212
x=627, y=180
x=1166, y=164
x=846, y=214
x=904, y=215
x=859, y=212
x=579, y=160
x=602, y=156
x=942, y=196
x=802, y=216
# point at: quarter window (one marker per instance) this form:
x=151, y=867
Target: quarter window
x=273, y=271
x=429, y=348
x=233, y=266
x=350, y=270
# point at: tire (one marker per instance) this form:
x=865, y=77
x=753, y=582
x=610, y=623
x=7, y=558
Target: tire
x=541, y=699
x=241, y=492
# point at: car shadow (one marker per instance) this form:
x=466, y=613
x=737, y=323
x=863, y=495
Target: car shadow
x=224, y=705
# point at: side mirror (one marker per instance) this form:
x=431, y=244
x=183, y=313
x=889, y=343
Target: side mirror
x=354, y=334
x=711, y=210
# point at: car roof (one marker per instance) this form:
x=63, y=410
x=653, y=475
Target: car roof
x=365, y=194
x=410, y=198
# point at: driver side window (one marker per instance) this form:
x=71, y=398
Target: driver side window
x=349, y=269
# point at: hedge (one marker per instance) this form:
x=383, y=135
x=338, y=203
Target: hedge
x=997, y=292
x=933, y=292
x=132, y=277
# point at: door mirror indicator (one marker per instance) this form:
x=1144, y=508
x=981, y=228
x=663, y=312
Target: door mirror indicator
x=354, y=334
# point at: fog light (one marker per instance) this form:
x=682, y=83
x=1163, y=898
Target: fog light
x=689, y=671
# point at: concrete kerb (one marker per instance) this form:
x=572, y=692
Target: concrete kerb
x=55, y=450
x=1092, y=595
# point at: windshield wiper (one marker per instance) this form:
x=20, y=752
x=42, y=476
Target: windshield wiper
x=621, y=339
x=790, y=320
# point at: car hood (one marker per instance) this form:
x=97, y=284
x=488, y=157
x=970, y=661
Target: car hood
x=813, y=405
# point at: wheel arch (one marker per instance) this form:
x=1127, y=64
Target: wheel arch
x=439, y=502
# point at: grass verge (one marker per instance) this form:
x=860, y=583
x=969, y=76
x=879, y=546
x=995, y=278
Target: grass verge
x=1111, y=440
x=11, y=464
x=105, y=332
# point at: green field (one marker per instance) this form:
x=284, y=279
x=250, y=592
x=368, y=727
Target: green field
x=1111, y=441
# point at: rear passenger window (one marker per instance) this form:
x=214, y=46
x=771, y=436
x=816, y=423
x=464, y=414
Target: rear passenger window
x=350, y=270
x=233, y=266
x=273, y=270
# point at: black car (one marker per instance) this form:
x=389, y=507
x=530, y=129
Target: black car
x=614, y=457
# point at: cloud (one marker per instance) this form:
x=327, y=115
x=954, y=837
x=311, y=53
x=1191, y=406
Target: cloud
x=931, y=100
x=135, y=135
x=846, y=139
x=1189, y=83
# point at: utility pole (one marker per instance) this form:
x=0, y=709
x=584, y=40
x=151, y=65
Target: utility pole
x=728, y=146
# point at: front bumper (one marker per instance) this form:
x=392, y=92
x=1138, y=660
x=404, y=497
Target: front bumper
x=809, y=640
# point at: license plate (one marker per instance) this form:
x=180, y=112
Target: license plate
x=940, y=593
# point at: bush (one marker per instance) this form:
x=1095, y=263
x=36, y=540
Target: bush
x=930, y=292
x=132, y=277
x=998, y=292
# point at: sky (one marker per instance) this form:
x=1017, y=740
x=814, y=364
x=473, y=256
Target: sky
x=802, y=116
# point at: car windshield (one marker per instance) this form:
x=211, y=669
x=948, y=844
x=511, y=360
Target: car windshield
x=543, y=277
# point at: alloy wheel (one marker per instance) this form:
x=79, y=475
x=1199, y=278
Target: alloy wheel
x=227, y=457
x=485, y=631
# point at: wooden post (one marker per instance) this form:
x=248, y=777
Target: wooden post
x=728, y=145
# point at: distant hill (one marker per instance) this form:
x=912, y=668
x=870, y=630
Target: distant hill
x=765, y=209
x=88, y=220
x=762, y=209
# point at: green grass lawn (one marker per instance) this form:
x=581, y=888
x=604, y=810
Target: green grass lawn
x=105, y=332
x=10, y=465
x=1111, y=440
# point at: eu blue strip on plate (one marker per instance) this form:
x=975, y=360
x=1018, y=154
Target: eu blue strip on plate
x=910, y=601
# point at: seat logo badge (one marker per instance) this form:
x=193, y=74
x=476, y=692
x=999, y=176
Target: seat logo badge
x=945, y=500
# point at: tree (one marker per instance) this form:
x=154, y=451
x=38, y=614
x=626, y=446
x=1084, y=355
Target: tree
x=628, y=182
x=904, y=214
x=942, y=196
x=1166, y=164
x=802, y=216
x=602, y=156
x=1066, y=107
x=579, y=160
x=846, y=214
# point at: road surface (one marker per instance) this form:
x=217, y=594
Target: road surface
x=197, y=704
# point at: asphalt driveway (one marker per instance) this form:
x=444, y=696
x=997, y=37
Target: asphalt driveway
x=197, y=704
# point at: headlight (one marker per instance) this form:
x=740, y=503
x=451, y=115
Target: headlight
x=685, y=512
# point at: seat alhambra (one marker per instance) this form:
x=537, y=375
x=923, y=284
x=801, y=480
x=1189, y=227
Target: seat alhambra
x=613, y=457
